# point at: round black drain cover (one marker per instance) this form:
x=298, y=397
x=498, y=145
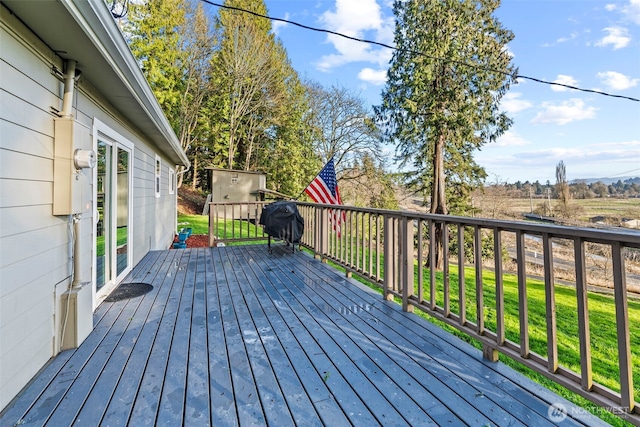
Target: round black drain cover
x=128, y=290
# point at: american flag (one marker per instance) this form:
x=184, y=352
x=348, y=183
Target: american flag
x=324, y=189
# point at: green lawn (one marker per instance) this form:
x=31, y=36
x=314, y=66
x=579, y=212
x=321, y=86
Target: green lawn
x=199, y=223
x=121, y=236
x=225, y=229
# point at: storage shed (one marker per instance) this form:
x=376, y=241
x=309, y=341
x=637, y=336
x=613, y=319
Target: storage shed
x=230, y=185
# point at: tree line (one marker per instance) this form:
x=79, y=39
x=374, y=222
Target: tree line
x=227, y=86
x=234, y=100
x=578, y=189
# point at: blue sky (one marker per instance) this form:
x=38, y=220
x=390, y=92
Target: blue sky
x=588, y=44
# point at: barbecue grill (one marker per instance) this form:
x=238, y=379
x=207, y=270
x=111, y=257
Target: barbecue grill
x=281, y=220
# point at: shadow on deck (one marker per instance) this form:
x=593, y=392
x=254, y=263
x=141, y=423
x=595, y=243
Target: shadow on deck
x=238, y=336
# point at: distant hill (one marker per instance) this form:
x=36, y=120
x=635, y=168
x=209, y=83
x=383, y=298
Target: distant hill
x=608, y=181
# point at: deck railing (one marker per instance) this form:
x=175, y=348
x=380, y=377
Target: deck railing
x=502, y=301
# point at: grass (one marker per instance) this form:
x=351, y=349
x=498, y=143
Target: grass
x=121, y=239
x=588, y=208
x=199, y=223
x=224, y=229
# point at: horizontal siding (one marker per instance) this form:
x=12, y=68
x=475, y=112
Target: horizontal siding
x=33, y=351
x=15, y=293
x=29, y=323
x=21, y=219
x=18, y=138
x=21, y=274
x=26, y=193
x=38, y=92
x=15, y=110
x=32, y=244
x=30, y=54
x=12, y=166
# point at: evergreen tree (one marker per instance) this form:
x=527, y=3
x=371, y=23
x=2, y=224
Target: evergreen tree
x=155, y=40
x=441, y=100
x=261, y=105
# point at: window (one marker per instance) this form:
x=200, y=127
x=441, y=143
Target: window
x=157, y=180
x=172, y=181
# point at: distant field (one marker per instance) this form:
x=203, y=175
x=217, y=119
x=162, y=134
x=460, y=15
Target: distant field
x=614, y=207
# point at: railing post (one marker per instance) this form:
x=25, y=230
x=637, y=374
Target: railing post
x=212, y=220
x=388, y=276
x=322, y=230
x=627, y=400
x=406, y=253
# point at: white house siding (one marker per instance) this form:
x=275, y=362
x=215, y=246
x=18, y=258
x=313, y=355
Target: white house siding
x=35, y=249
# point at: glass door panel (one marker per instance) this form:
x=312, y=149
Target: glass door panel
x=104, y=246
x=113, y=191
x=122, y=205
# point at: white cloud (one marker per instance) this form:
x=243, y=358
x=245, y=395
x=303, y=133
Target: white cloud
x=616, y=36
x=616, y=80
x=353, y=17
x=565, y=112
x=610, y=7
x=375, y=77
x=586, y=161
x=572, y=36
x=510, y=139
x=632, y=11
x=511, y=103
x=584, y=155
x=362, y=19
x=277, y=25
x=565, y=80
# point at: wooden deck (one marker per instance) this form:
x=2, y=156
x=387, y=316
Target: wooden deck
x=238, y=336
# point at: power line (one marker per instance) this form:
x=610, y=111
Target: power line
x=623, y=173
x=373, y=42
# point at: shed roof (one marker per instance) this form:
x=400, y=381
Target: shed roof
x=234, y=171
x=85, y=31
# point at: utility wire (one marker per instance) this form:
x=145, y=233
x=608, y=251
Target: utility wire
x=373, y=42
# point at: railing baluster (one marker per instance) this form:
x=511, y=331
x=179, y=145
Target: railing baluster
x=370, y=267
x=420, y=263
x=445, y=269
x=550, y=298
x=388, y=258
x=477, y=237
x=406, y=236
x=356, y=265
x=497, y=248
x=583, y=315
x=225, y=222
x=523, y=309
x=622, y=326
x=432, y=268
x=363, y=264
x=379, y=219
x=462, y=297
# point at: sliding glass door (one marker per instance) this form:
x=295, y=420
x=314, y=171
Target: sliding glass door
x=113, y=210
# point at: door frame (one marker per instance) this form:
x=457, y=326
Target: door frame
x=104, y=133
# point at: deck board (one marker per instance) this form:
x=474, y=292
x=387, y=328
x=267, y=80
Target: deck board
x=239, y=336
